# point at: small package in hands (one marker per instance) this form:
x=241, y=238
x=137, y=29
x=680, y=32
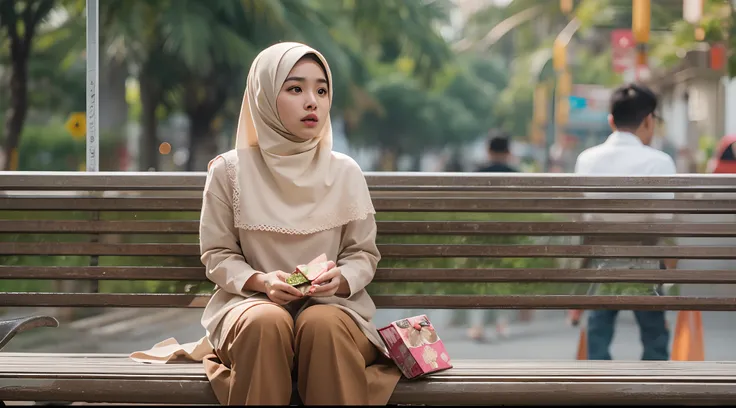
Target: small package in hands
x=303, y=275
x=415, y=347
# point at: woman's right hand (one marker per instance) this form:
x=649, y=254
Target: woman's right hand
x=278, y=290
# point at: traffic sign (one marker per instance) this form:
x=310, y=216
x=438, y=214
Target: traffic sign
x=622, y=50
x=76, y=125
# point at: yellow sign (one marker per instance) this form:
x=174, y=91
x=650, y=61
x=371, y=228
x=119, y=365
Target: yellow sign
x=76, y=125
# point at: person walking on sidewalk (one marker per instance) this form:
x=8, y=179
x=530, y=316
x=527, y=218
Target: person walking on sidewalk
x=499, y=156
x=626, y=152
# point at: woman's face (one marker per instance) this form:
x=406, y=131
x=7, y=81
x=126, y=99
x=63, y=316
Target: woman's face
x=303, y=102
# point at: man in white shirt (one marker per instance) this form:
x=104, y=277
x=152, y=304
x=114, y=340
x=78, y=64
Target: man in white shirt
x=627, y=152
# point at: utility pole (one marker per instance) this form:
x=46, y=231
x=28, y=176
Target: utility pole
x=566, y=6
x=564, y=79
x=93, y=86
x=641, y=21
x=93, y=107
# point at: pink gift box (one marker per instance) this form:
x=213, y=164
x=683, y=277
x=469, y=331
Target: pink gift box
x=415, y=346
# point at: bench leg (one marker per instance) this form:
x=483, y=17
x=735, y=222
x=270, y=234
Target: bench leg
x=9, y=328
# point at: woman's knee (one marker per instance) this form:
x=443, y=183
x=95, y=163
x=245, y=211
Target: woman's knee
x=321, y=319
x=265, y=321
x=328, y=329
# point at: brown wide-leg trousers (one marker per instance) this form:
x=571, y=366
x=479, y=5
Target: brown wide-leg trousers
x=334, y=360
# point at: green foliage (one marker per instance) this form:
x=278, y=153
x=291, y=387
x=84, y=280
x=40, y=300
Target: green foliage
x=51, y=148
x=390, y=61
x=181, y=50
x=515, y=102
x=595, y=68
x=414, y=117
x=399, y=28
x=718, y=26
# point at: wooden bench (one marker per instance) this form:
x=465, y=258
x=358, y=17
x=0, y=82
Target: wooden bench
x=436, y=233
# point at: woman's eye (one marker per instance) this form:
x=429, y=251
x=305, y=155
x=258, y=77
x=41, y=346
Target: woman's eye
x=295, y=89
x=322, y=91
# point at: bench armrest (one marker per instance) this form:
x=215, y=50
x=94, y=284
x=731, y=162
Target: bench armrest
x=9, y=328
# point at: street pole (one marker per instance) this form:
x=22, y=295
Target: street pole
x=93, y=108
x=566, y=6
x=641, y=17
x=563, y=87
x=93, y=86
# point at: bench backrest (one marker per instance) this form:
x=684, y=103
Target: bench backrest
x=450, y=240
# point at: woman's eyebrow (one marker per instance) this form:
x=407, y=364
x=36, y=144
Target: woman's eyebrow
x=302, y=79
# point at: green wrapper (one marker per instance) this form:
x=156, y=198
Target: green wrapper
x=301, y=276
x=296, y=279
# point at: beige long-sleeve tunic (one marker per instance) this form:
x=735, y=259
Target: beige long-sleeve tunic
x=231, y=256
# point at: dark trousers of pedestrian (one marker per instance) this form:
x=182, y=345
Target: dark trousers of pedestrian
x=655, y=337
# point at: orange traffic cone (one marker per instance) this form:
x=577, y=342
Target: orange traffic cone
x=688, y=340
x=583, y=344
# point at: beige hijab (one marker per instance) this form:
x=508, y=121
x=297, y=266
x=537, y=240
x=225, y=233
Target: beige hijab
x=282, y=184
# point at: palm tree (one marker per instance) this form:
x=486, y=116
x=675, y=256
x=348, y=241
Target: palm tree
x=194, y=54
x=321, y=25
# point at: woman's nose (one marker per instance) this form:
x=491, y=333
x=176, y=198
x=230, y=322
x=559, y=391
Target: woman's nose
x=311, y=102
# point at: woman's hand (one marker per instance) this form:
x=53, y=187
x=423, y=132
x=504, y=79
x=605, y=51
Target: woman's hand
x=328, y=284
x=278, y=290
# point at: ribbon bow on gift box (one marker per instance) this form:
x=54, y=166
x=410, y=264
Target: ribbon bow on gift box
x=420, y=325
x=423, y=333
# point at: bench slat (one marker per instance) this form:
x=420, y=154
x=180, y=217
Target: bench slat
x=674, y=229
x=541, y=180
x=555, y=251
x=394, y=250
x=556, y=205
x=101, y=181
x=27, y=181
x=102, y=204
x=499, y=205
x=552, y=275
x=38, y=299
x=182, y=273
x=177, y=273
x=32, y=363
x=96, y=227
x=554, y=228
x=434, y=391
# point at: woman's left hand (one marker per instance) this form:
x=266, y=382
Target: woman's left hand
x=326, y=284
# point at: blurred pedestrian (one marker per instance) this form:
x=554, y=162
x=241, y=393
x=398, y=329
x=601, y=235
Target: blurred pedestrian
x=499, y=157
x=626, y=152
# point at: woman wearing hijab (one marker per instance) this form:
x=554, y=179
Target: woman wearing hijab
x=281, y=198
